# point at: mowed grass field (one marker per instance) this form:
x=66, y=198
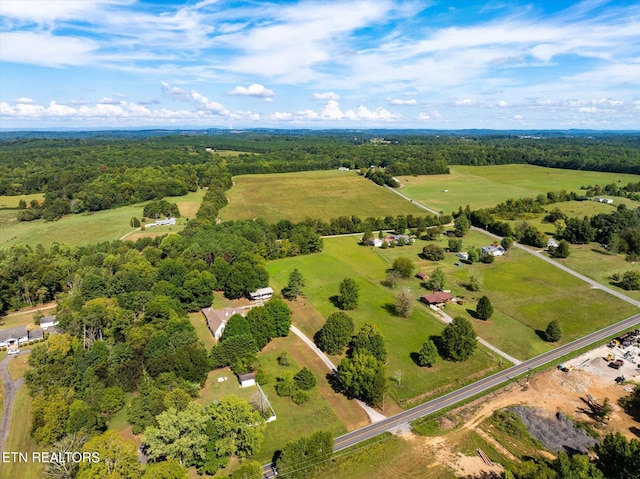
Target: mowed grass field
x=526, y=293
x=325, y=409
x=313, y=194
x=485, y=186
x=87, y=228
x=343, y=257
x=20, y=440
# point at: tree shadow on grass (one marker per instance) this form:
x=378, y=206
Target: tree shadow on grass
x=415, y=358
x=635, y=430
x=335, y=300
x=389, y=308
x=473, y=313
x=334, y=382
x=541, y=334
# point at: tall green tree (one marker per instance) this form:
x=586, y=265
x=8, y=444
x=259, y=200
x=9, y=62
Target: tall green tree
x=349, y=294
x=239, y=429
x=553, y=333
x=118, y=458
x=179, y=435
x=461, y=225
x=404, y=266
x=364, y=377
x=369, y=339
x=484, y=309
x=437, y=280
x=280, y=314
x=458, y=340
x=335, y=333
x=293, y=289
x=428, y=354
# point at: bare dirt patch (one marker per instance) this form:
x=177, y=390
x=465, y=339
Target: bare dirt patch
x=551, y=392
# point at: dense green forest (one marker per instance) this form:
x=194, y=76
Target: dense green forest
x=123, y=306
x=92, y=174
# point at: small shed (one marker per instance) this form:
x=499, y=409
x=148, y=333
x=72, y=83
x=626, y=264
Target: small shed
x=247, y=379
x=422, y=276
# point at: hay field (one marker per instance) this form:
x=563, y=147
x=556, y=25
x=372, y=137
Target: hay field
x=313, y=194
x=485, y=186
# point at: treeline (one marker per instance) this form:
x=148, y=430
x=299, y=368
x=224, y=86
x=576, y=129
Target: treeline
x=619, y=230
x=112, y=172
x=630, y=190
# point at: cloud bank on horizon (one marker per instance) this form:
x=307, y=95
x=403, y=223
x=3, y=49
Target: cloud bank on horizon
x=320, y=64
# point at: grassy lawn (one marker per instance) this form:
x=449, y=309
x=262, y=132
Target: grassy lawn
x=200, y=324
x=20, y=440
x=591, y=260
x=485, y=186
x=527, y=294
x=22, y=317
x=87, y=228
x=7, y=201
x=383, y=457
x=18, y=365
x=325, y=409
x=343, y=257
x=315, y=194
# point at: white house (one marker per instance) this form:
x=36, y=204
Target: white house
x=261, y=294
x=217, y=318
x=48, y=321
x=493, y=250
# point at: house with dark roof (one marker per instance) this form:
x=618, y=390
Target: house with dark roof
x=12, y=338
x=437, y=299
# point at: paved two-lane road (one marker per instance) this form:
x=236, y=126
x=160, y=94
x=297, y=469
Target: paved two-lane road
x=481, y=386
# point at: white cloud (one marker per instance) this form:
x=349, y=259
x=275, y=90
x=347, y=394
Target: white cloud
x=502, y=104
x=424, y=116
x=255, y=90
x=23, y=100
x=332, y=111
x=196, y=98
x=47, y=11
x=363, y=113
x=465, y=102
x=395, y=101
x=43, y=48
x=329, y=95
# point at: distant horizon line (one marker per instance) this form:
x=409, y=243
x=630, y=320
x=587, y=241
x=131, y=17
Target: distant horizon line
x=223, y=129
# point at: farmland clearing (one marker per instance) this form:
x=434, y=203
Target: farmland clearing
x=90, y=227
x=486, y=186
x=312, y=194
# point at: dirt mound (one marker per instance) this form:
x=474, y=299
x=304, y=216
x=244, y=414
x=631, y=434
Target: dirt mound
x=556, y=432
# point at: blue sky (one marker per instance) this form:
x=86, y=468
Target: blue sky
x=320, y=64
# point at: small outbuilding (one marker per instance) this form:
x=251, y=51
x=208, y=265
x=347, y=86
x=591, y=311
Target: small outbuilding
x=247, y=379
x=422, y=276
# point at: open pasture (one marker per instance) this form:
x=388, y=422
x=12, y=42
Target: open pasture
x=87, y=228
x=343, y=257
x=11, y=201
x=485, y=186
x=314, y=194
